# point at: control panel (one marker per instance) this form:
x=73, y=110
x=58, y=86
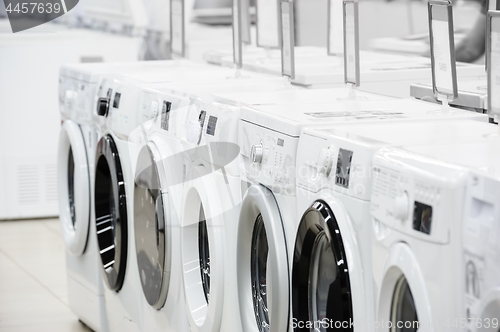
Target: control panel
x=269, y=157
x=336, y=163
x=418, y=202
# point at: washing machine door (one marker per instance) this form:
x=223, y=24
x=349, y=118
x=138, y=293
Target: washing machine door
x=73, y=188
x=111, y=213
x=403, y=298
x=151, y=225
x=263, y=276
x=321, y=282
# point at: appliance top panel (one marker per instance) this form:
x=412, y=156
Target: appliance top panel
x=290, y=119
x=91, y=72
x=298, y=96
x=482, y=156
x=419, y=132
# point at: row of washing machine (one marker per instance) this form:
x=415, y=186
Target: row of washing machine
x=196, y=199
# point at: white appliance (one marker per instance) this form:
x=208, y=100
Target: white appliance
x=434, y=219
x=76, y=159
x=474, y=234
x=380, y=73
x=472, y=95
x=28, y=179
x=269, y=136
x=333, y=200
x=157, y=192
x=481, y=250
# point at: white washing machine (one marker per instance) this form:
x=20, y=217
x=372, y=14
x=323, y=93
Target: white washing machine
x=157, y=196
x=433, y=219
x=333, y=200
x=115, y=166
x=28, y=166
x=476, y=298
x=268, y=162
x=76, y=160
x=481, y=251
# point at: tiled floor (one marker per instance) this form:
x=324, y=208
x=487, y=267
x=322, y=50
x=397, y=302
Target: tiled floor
x=33, y=278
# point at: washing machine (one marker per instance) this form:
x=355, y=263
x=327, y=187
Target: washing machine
x=115, y=162
x=268, y=168
x=481, y=253
x=157, y=195
x=475, y=298
x=29, y=171
x=75, y=190
x=333, y=200
x=433, y=220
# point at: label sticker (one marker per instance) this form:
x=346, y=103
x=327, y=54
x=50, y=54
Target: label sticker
x=288, y=43
x=493, y=63
x=268, y=34
x=442, y=48
x=177, y=31
x=237, y=38
x=246, y=22
x=351, y=42
x=335, y=28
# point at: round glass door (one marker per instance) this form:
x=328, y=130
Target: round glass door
x=111, y=213
x=321, y=290
x=152, y=247
x=259, y=270
x=404, y=316
x=204, y=254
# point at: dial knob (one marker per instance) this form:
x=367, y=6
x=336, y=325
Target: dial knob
x=102, y=106
x=257, y=153
x=401, y=207
x=325, y=161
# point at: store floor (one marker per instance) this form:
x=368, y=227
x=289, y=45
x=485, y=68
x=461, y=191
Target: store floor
x=33, y=294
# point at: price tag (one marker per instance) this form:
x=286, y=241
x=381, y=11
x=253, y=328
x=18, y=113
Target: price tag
x=351, y=42
x=493, y=51
x=335, y=32
x=288, y=40
x=246, y=23
x=237, y=38
x=444, y=71
x=268, y=33
x=177, y=28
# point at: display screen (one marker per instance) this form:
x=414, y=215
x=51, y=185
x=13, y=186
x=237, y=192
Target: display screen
x=212, y=123
x=165, y=114
x=422, y=217
x=343, y=168
x=116, y=101
x=441, y=46
x=494, y=65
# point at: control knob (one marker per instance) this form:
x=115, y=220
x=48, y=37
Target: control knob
x=401, y=206
x=102, y=106
x=257, y=153
x=325, y=161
